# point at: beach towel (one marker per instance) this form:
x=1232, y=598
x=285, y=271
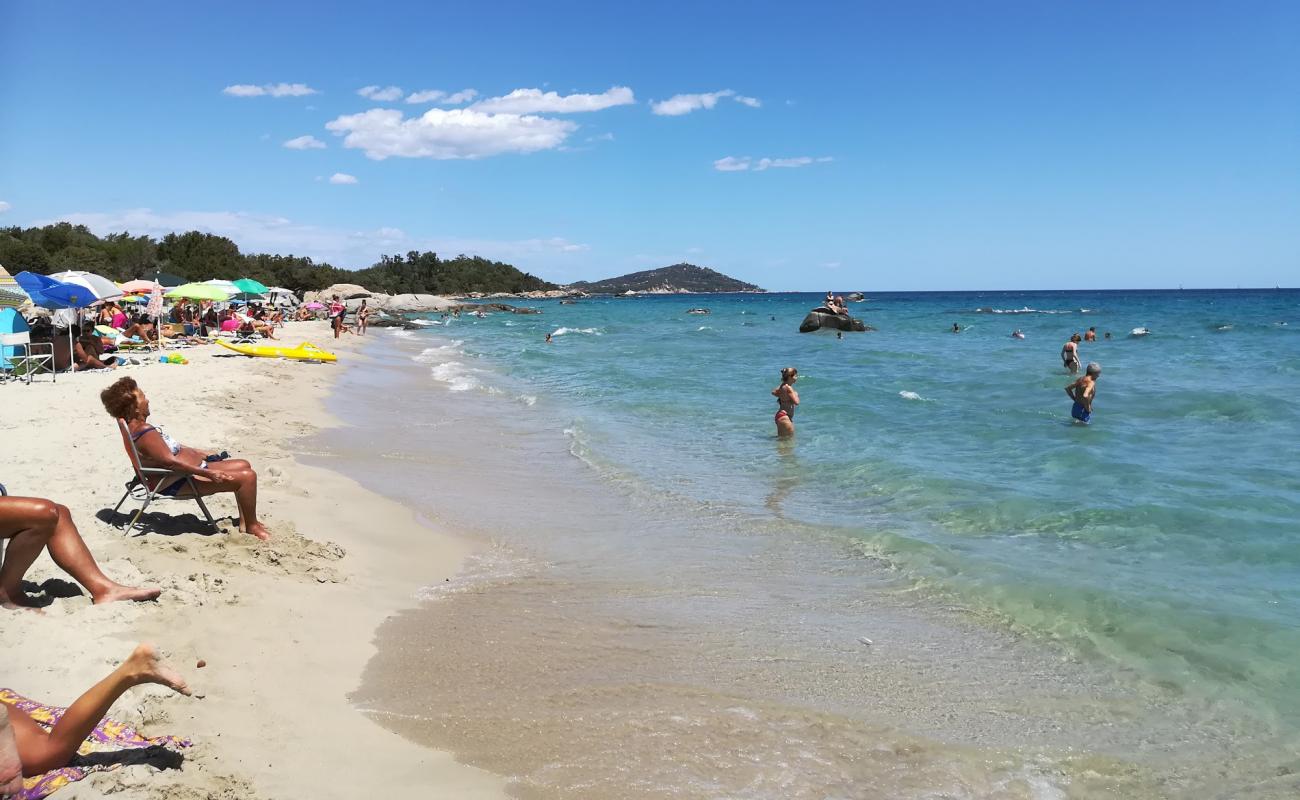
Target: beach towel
x=108, y=736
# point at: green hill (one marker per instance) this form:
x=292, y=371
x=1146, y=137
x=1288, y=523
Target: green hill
x=676, y=279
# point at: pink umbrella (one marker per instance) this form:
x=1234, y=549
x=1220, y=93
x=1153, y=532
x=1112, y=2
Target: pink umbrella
x=314, y=306
x=139, y=287
x=154, y=309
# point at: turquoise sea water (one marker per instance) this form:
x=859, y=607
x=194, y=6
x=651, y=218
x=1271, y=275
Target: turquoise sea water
x=941, y=587
x=1163, y=539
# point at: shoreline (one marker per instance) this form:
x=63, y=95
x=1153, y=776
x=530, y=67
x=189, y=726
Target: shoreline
x=286, y=627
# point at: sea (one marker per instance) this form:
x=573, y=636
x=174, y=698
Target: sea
x=941, y=587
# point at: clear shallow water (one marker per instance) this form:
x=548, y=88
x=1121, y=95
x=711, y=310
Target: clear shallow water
x=1157, y=551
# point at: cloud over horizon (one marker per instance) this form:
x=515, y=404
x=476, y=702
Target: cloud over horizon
x=355, y=249
x=269, y=90
x=448, y=133
x=535, y=101
x=342, y=178
x=4, y=206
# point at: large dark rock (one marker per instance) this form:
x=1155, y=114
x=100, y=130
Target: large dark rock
x=820, y=318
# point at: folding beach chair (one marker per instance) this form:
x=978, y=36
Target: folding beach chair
x=20, y=357
x=138, y=487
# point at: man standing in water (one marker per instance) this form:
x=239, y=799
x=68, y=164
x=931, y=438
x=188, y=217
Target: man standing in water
x=786, y=400
x=1091, y=335
x=1082, y=393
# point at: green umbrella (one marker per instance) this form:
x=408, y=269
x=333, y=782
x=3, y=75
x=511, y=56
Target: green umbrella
x=198, y=291
x=250, y=286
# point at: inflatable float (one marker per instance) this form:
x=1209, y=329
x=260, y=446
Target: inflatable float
x=303, y=352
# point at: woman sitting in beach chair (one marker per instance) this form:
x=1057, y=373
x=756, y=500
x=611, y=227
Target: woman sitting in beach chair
x=213, y=474
x=28, y=749
x=30, y=525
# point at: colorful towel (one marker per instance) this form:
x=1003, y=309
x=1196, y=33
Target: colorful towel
x=108, y=736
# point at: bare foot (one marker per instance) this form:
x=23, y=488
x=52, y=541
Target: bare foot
x=259, y=530
x=119, y=592
x=146, y=666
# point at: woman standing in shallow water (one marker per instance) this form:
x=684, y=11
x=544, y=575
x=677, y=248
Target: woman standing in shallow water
x=786, y=399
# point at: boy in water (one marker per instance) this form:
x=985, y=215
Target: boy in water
x=1082, y=393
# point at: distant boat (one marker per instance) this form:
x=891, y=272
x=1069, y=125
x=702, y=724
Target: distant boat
x=697, y=311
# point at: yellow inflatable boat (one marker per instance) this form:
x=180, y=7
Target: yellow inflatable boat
x=303, y=352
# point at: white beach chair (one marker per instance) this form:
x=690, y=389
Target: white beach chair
x=24, y=358
x=138, y=488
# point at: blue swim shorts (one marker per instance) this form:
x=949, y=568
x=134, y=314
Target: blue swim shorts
x=1080, y=413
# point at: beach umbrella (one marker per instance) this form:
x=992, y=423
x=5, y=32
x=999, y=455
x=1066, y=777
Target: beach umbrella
x=250, y=286
x=6, y=280
x=167, y=279
x=138, y=287
x=199, y=291
x=314, y=306
x=55, y=294
x=103, y=288
x=229, y=286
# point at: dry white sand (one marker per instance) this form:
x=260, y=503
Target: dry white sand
x=285, y=626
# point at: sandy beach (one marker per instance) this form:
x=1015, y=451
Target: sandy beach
x=285, y=627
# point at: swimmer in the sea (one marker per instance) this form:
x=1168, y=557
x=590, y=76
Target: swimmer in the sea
x=956, y=328
x=787, y=399
x=1070, y=354
x=1017, y=334
x=548, y=339
x=1082, y=393
x=1091, y=335
x=1107, y=334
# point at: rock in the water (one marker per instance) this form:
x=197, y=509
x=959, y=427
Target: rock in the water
x=818, y=319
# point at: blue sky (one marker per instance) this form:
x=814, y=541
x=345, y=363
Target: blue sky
x=876, y=146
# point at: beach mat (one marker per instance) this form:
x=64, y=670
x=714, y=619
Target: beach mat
x=109, y=736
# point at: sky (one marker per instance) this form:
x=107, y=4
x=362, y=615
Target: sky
x=909, y=145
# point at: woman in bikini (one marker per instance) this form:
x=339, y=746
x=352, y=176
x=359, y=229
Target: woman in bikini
x=213, y=474
x=786, y=399
x=28, y=749
x=1070, y=354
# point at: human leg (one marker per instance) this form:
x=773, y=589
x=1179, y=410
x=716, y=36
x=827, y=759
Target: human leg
x=28, y=523
x=242, y=482
x=69, y=551
x=41, y=751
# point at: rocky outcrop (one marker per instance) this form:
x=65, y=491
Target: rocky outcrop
x=345, y=291
x=820, y=318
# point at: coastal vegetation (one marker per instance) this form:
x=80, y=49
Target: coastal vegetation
x=198, y=256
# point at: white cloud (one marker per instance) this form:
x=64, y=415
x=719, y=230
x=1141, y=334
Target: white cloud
x=731, y=164
x=305, y=143
x=463, y=96
x=680, y=104
x=734, y=164
x=263, y=233
x=448, y=133
x=4, y=206
x=380, y=95
x=426, y=96
x=535, y=101
x=441, y=97
x=832, y=265
x=269, y=89
x=339, y=178
x=752, y=102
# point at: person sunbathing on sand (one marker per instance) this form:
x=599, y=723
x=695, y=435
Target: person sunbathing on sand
x=27, y=749
x=212, y=474
x=32, y=524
